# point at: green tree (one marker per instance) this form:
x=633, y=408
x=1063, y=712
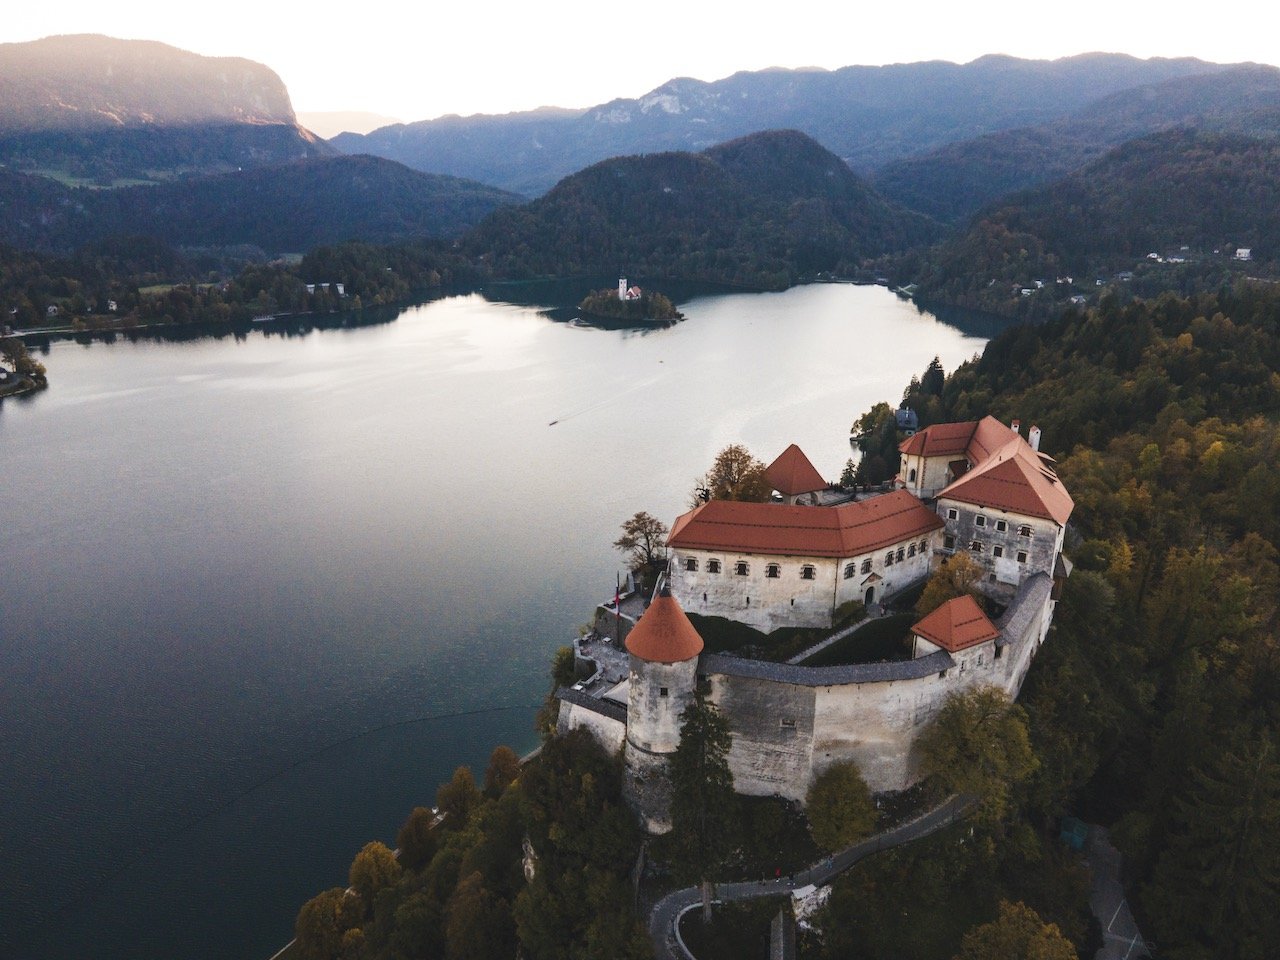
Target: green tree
x=374, y=868
x=1223, y=856
x=502, y=771
x=703, y=804
x=734, y=475
x=322, y=922
x=839, y=807
x=417, y=839
x=959, y=575
x=1017, y=934
x=978, y=745
x=644, y=540
x=478, y=925
x=457, y=799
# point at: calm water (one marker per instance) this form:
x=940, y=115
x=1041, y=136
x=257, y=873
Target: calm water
x=260, y=595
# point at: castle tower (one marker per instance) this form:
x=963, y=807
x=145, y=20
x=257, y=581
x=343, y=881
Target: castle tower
x=664, y=649
x=622, y=288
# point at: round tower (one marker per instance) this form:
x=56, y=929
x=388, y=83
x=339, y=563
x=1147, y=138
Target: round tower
x=664, y=649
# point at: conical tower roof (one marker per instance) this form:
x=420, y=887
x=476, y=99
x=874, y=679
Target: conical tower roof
x=793, y=473
x=957, y=624
x=664, y=634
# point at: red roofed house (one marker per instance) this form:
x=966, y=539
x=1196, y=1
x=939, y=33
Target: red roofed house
x=772, y=565
x=794, y=476
x=959, y=627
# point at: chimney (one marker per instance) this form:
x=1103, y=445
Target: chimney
x=1015, y=425
x=1033, y=437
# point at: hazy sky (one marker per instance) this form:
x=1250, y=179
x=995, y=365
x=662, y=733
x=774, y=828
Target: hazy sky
x=419, y=60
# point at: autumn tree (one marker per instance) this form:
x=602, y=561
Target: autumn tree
x=478, y=925
x=374, y=868
x=417, y=838
x=458, y=798
x=322, y=922
x=504, y=767
x=960, y=575
x=839, y=807
x=734, y=475
x=978, y=745
x=1017, y=934
x=644, y=540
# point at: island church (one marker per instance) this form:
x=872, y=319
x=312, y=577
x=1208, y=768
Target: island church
x=801, y=561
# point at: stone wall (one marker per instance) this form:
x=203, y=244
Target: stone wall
x=1042, y=547
x=789, y=600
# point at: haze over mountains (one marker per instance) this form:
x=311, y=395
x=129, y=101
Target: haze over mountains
x=760, y=179
x=869, y=116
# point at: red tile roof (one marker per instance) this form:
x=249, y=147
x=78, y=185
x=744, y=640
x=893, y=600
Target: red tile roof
x=1014, y=478
x=664, y=634
x=793, y=473
x=976, y=439
x=776, y=529
x=956, y=625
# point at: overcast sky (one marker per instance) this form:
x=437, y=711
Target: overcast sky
x=419, y=60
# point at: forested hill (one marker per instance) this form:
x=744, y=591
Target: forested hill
x=285, y=208
x=1190, y=199
x=956, y=180
x=101, y=109
x=760, y=211
x=868, y=116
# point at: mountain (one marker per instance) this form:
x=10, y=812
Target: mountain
x=89, y=107
x=1170, y=208
x=869, y=116
x=760, y=211
x=956, y=180
x=282, y=208
x=330, y=123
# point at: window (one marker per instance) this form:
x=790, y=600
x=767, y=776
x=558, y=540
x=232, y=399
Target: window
x=1024, y=530
x=912, y=477
x=772, y=571
x=849, y=570
x=866, y=565
x=888, y=559
x=786, y=723
x=911, y=550
x=902, y=554
x=662, y=691
x=997, y=551
x=1001, y=526
x=713, y=566
x=691, y=564
x=999, y=650
x=807, y=572
x=924, y=546
x=1022, y=556
x=976, y=546
x=979, y=659
x=979, y=521
x=948, y=543
x=740, y=568
x=953, y=513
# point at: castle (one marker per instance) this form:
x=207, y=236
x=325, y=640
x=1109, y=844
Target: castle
x=976, y=487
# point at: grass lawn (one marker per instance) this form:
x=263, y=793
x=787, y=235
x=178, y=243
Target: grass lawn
x=882, y=639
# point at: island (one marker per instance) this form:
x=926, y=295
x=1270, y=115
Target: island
x=629, y=303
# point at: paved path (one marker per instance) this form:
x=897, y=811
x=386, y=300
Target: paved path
x=1121, y=939
x=666, y=911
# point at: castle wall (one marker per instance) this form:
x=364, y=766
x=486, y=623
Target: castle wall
x=772, y=728
x=788, y=600
x=656, y=696
x=1041, y=548
x=609, y=731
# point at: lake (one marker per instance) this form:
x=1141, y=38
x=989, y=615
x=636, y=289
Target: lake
x=262, y=593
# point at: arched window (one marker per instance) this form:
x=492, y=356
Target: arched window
x=888, y=559
x=849, y=570
x=911, y=550
x=902, y=554
x=866, y=565
x=912, y=476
